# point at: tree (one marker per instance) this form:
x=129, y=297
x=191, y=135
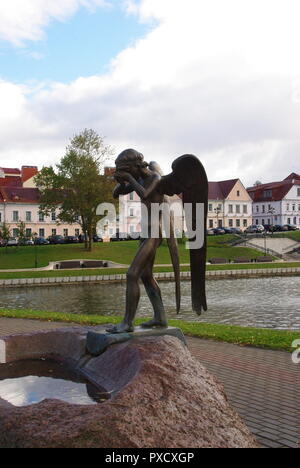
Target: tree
x=78, y=185
x=21, y=232
x=5, y=232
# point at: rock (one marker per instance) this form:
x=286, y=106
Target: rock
x=169, y=401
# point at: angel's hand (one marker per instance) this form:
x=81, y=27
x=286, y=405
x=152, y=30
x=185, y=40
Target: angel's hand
x=122, y=176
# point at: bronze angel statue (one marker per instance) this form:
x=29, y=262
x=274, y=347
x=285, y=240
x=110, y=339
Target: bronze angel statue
x=187, y=179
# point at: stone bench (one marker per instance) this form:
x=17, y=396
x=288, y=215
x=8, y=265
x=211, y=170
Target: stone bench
x=218, y=261
x=242, y=260
x=266, y=259
x=94, y=264
x=67, y=265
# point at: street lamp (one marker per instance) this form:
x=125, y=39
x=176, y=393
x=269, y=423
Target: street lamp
x=218, y=211
x=35, y=250
x=272, y=213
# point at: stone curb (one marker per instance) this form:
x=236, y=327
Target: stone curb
x=119, y=278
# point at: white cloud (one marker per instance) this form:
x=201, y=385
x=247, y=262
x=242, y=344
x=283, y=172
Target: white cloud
x=218, y=79
x=26, y=20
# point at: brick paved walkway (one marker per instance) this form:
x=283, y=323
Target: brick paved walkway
x=263, y=386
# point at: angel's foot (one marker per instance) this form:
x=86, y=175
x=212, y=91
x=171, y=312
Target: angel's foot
x=120, y=328
x=155, y=324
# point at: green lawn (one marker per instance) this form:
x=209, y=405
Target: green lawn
x=259, y=337
x=119, y=252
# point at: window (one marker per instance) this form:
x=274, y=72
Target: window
x=257, y=209
x=15, y=232
x=28, y=216
x=66, y=232
x=77, y=232
x=268, y=193
x=53, y=216
x=245, y=223
x=41, y=218
x=298, y=192
x=131, y=212
x=257, y=222
x=288, y=207
x=295, y=220
x=28, y=232
x=15, y=216
x=210, y=207
x=53, y=232
x=211, y=223
x=41, y=232
x=230, y=209
x=289, y=221
x=238, y=193
x=238, y=209
x=263, y=209
x=294, y=207
x=238, y=223
x=245, y=209
x=131, y=196
x=230, y=222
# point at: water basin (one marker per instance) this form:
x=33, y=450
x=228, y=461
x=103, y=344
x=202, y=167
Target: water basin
x=25, y=383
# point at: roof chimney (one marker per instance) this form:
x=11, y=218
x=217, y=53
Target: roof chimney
x=27, y=172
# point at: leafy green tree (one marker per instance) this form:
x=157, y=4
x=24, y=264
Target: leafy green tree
x=5, y=233
x=21, y=226
x=77, y=186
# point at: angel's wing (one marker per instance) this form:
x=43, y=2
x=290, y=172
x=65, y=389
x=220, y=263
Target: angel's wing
x=189, y=179
x=172, y=243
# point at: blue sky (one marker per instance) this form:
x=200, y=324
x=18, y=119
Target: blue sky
x=83, y=45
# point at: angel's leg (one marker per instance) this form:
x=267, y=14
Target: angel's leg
x=154, y=294
x=142, y=259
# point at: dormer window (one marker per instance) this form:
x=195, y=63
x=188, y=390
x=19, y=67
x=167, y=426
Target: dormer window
x=268, y=194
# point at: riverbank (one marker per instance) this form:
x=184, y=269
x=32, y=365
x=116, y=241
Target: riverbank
x=74, y=277
x=243, y=336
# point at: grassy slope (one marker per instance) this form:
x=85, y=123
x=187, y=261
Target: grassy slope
x=259, y=337
x=119, y=252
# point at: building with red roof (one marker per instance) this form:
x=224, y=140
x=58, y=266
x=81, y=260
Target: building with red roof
x=277, y=202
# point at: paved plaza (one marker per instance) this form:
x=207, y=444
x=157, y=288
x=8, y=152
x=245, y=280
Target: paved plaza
x=262, y=385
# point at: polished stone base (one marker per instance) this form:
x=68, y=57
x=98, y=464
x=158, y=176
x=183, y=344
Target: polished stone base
x=97, y=342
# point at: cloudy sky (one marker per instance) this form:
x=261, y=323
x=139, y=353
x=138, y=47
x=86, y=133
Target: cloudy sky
x=219, y=79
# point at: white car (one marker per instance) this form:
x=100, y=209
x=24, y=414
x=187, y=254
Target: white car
x=12, y=242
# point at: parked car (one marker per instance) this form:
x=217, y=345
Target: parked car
x=12, y=242
x=210, y=232
x=71, y=240
x=269, y=228
x=28, y=242
x=97, y=238
x=41, y=241
x=119, y=236
x=291, y=227
x=255, y=229
x=236, y=231
x=280, y=228
x=219, y=231
x=56, y=240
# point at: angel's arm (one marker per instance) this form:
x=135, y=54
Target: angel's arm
x=143, y=192
x=122, y=189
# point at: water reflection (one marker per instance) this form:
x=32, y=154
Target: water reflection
x=27, y=382
x=264, y=302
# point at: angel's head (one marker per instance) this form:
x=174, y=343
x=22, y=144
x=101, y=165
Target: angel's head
x=131, y=161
